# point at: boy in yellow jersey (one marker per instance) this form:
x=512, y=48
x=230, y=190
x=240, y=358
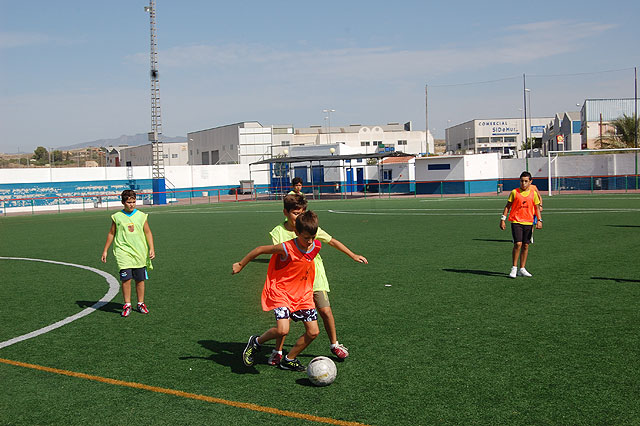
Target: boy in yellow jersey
x=294, y=205
x=522, y=206
x=133, y=249
x=288, y=290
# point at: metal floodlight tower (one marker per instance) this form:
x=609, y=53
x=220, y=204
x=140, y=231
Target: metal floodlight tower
x=157, y=154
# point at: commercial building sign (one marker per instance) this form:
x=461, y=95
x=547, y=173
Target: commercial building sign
x=499, y=127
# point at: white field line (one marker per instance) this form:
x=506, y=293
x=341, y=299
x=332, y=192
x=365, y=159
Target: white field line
x=471, y=212
x=114, y=288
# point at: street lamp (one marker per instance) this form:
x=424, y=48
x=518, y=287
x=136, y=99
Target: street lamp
x=328, y=112
x=529, y=126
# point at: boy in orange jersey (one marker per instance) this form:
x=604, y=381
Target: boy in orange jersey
x=522, y=206
x=294, y=205
x=288, y=290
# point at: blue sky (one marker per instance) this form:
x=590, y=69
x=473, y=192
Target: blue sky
x=74, y=71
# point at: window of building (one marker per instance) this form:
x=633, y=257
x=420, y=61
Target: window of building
x=402, y=142
x=375, y=143
x=365, y=143
x=439, y=167
x=174, y=155
x=386, y=175
x=509, y=139
x=285, y=143
x=575, y=127
x=483, y=140
x=165, y=155
x=496, y=139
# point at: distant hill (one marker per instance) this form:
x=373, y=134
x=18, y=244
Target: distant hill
x=135, y=140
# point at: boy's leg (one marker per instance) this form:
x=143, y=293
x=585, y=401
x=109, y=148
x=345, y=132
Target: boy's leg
x=281, y=331
x=523, y=255
x=311, y=332
x=126, y=291
x=329, y=323
x=140, y=291
x=515, y=253
x=330, y=327
x=255, y=341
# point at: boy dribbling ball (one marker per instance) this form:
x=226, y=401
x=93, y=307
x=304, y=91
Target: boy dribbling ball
x=133, y=249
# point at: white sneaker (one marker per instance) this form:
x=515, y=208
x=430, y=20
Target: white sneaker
x=524, y=273
x=514, y=272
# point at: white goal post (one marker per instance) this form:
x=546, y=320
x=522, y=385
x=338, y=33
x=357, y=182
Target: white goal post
x=607, y=164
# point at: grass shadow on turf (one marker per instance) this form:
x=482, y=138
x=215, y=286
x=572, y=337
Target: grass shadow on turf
x=476, y=272
x=111, y=307
x=229, y=354
x=493, y=241
x=618, y=280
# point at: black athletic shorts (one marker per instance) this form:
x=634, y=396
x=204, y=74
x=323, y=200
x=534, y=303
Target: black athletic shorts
x=521, y=233
x=138, y=274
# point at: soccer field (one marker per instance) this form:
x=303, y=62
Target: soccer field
x=436, y=330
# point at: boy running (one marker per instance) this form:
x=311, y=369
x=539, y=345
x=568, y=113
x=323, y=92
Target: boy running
x=522, y=205
x=288, y=290
x=133, y=249
x=294, y=205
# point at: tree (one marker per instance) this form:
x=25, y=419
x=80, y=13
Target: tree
x=623, y=135
x=57, y=156
x=41, y=155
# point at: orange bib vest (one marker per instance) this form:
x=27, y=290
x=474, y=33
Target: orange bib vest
x=523, y=208
x=290, y=278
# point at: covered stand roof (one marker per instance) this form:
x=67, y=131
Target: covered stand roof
x=280, y=160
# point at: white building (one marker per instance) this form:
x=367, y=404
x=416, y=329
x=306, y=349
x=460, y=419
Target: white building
x=174, y=153
x=238, y=143
x=249, y=142
x=563, y=132
x=501, y=135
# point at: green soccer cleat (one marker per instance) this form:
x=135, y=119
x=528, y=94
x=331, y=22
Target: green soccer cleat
x=293, y=365
x=250, y=351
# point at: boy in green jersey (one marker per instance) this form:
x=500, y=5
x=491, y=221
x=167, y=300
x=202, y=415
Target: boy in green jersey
x=296, y=187
x=133, y=249
x=294, y=205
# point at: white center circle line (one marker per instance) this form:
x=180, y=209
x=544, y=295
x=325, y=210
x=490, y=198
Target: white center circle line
x=114, y=288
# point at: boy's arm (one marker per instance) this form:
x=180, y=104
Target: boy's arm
x=110, y=236
x=504, y=215
x=337, y=244
x=149, y=235
x=538, y=211
x=237, y=267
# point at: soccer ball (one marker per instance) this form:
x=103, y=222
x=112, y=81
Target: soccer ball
x=322, y=371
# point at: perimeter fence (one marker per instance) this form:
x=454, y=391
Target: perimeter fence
x=394, y=189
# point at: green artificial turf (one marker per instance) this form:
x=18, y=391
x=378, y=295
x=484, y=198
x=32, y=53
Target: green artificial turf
x=436, y=330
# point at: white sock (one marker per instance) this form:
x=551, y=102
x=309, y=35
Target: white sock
x=287, y=358
x=277, y=352
x=127, y=304
x=333, y=345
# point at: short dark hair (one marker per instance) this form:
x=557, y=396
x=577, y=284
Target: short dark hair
x=307, y=222
x=294, y=202
x=128, y=193
x=296, y=180
x=526, y=174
